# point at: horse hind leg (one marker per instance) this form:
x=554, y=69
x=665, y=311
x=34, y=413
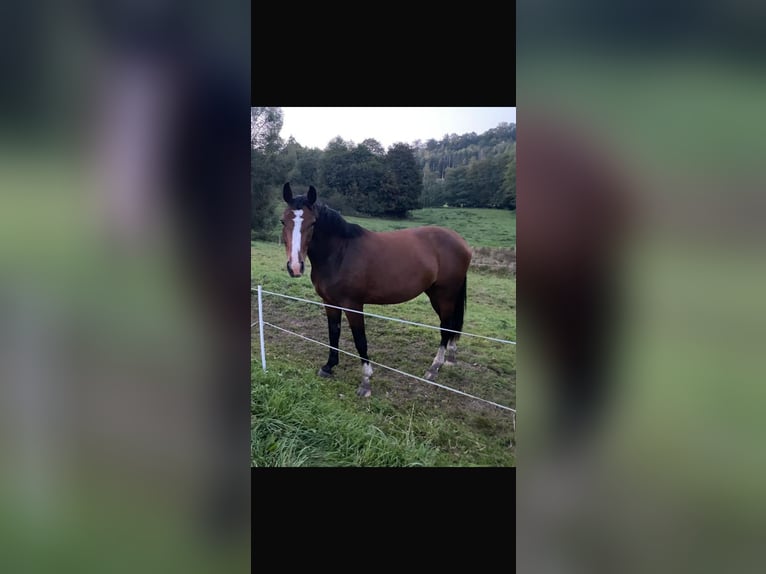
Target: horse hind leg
x=446, y=355
x=455, y=321
x=451, y=358
x=438, y=361
x=450, y=308
x=364, y=390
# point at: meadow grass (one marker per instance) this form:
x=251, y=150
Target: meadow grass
x=305, y=422
x=479, y=227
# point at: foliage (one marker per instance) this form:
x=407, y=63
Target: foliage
x=402, y=185
x=368, y=174
x=267, y=168
x=466, y=170
x=470, y=170
x=454, y=150
x=364, y=179
x=508, y=197
x=265, y=125
x=306, y=170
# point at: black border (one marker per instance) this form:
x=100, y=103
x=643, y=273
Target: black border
x=384, y=55
x=387, y=514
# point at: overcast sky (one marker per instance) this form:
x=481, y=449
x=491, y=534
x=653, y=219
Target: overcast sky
x=315, y=127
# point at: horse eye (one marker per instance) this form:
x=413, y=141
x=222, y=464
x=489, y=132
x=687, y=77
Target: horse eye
x=282, y=221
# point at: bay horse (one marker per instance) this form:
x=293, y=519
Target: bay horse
x=352, y=266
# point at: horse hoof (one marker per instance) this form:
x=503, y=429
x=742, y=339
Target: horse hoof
x=429, y=375
x=363, y=393
x=449, y=363
x=324, y=374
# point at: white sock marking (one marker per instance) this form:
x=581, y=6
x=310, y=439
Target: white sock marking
x=367, y=370
x=439, y=359
x=451, y=353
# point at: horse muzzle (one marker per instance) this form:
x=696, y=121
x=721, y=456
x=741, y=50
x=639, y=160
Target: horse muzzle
x=295, y=273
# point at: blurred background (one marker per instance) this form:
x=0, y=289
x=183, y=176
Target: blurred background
x=124, y=335
x=640, y=286
x=124, y=341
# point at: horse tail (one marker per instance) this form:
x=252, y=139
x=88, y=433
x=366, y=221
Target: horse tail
x=461, y=303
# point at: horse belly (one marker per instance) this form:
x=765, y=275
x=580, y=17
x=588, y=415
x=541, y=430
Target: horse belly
x=398, y=283
x=392, y=297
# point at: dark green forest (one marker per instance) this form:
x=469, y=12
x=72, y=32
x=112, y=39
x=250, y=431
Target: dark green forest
x=467, y=170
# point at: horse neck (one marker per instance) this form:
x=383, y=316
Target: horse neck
x=326, y=249
x=328, y=246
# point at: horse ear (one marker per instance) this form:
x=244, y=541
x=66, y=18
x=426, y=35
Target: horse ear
x=312, y=195
x=287, y=193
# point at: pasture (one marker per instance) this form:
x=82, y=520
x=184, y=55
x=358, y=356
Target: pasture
x=479, y=227
x=298, y=419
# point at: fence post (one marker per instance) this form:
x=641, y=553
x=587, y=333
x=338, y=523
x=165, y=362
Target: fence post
x=260, y=329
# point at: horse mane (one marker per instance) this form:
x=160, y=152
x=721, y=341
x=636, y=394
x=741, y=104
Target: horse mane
x=331, y=222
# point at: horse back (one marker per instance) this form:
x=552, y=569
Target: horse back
x=449, y=246
x=430, y=252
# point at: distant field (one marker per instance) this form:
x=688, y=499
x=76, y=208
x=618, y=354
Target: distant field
x=299, y=419
x=480, y=227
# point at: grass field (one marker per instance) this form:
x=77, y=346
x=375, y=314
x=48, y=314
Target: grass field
x=299, y=419
x=479, y=227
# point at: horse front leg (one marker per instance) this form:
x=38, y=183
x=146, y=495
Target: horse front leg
x=333, y=326
x=356, y=322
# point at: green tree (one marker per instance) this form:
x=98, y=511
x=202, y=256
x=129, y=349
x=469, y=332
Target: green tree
x=288, y=158
x=403, y=183
x=374, y=146
x=265, y=168
x=508, y=191
x=265, y=125
x=428, y=195
x=337, y=174
x=482, y=185
x=336, y=168
x=457, y=186
x=485, y=182
x=367, y=174
x=307, y=167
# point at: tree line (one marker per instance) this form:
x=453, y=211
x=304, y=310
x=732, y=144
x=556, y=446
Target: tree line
x=470, y=170
x=466, y=170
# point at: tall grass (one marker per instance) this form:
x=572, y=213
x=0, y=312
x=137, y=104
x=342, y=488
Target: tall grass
x=300, y=424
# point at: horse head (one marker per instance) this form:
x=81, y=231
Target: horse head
x=298, y=226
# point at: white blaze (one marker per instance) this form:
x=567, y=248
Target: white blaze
x=295, y=263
